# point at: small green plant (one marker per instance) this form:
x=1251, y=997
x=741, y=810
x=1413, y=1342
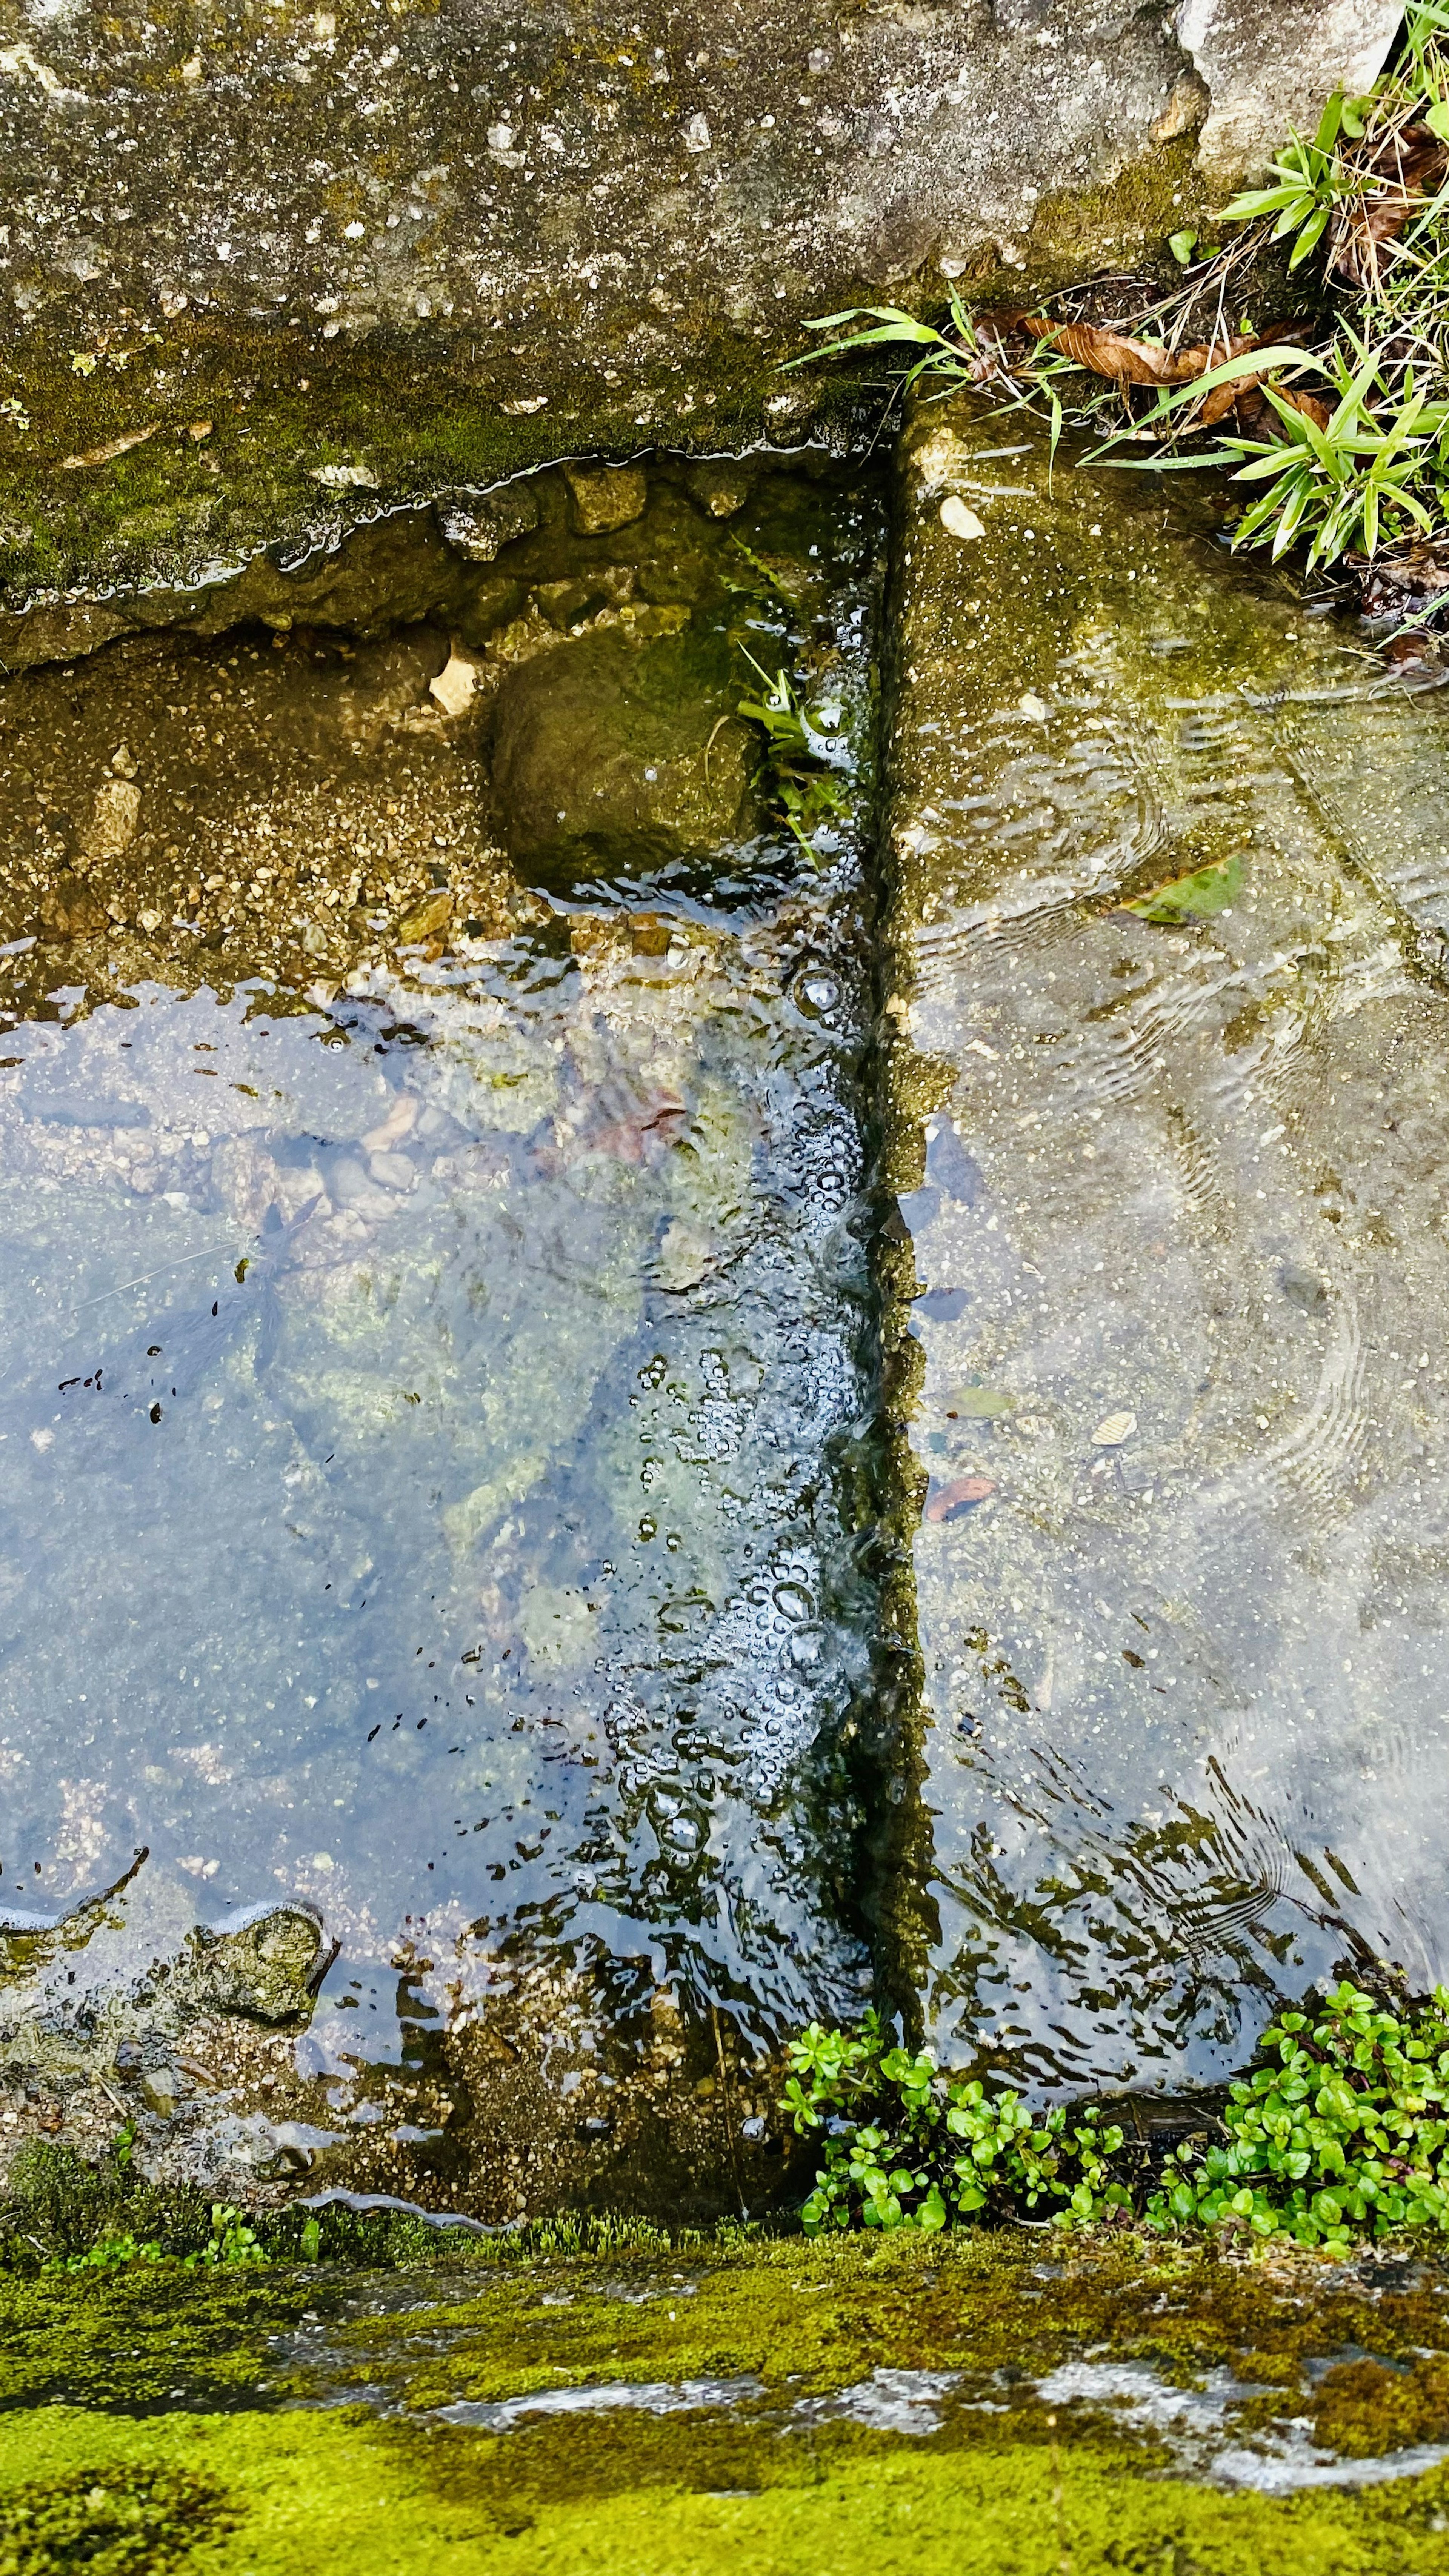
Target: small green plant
x=112, y=2254
x=1343, y=2132
x=909, y=2147
x=793, y=776
x=1311, y=180
x=231, y=2241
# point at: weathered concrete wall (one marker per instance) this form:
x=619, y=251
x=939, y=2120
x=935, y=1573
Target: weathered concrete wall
x=1269, y=64
x=293, y=255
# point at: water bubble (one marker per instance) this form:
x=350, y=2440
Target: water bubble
x=817, y=993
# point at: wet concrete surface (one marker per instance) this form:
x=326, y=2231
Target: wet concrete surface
x=1178, y=1276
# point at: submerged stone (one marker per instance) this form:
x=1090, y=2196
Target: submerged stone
x=617, y=758
x=1172, y=1091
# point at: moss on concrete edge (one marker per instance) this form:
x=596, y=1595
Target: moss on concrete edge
x=336, y=2456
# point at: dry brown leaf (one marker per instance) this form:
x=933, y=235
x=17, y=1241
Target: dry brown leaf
x=1407, y=173
x=1107, y=353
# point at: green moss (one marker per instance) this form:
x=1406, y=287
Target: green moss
x=779, y=2477
x=279, y=413
x=336, y=2493
x=136, y=2523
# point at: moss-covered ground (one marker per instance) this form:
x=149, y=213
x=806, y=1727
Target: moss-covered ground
x=285, y=2417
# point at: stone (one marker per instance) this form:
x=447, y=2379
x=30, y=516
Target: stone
x=720, y=486
x=71, y=909
x=113, y=822
x=476, y=524
x=1135, y=1164
x=427, y=918
x=160, y=2090
x=1269, y=65
x=612, y=757
x=605, y=497
x=454, y=686
x=260, y=1964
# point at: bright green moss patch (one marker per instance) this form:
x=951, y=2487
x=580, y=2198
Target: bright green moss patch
x=779, y=2457
x=135, y=2521
x=813, y=2317
x=332, y=2493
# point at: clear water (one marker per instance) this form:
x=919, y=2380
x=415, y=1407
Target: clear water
x=424, y=1399
x=1180, y=1234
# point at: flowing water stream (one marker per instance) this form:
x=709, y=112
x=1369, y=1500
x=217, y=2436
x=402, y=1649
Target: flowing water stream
x=442, y=1280
x=437, y=1368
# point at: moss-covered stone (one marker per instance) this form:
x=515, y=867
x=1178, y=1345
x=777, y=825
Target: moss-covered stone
x=782, y=2455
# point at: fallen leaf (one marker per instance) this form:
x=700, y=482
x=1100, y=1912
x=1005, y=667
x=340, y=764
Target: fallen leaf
x=1197, y=896
x=1134, y=362
x=1114, y=1430
x=1142, y=362
x=1408, y=169
x=960, y=522
x=113, y=448
x=950, y=1500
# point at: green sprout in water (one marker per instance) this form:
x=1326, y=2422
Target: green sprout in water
x=793, y=776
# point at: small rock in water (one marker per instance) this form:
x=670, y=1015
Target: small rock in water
x=1035, y=709
x=427, y=918
x=476, y=524
x=71, y=909
x=454, y=685
x=605, y=496
x=262, y=1968
x=161, y=2090
x=959, y=521
x=113, y=822
x=719, y=488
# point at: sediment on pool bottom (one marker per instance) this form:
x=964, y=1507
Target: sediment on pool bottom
x=440, y=1362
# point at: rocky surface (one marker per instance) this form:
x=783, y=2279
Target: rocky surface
x=258, y=270
x=1171, y=1074
x=1266, y=65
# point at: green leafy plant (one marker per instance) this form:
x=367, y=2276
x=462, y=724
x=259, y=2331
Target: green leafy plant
x=1339, y=2132
x=906, y=2146
x=793, y=776
x=1344, y=2132
x=1311, y=180
x=112, y=2254
x=231, y=2241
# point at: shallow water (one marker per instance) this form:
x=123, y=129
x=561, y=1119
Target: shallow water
x=428, y=1402
x=1181, y=1238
